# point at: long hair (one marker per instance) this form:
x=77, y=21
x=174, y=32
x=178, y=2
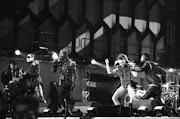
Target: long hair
x=123, y=56
x=120, y=57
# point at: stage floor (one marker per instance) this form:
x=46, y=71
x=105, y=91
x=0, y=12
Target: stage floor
x=108, y=118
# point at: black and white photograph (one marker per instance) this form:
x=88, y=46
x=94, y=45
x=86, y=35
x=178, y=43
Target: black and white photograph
x=89, y=59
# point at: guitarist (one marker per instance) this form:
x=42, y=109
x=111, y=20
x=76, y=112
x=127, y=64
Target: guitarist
x=11, y=74
x=10, y=78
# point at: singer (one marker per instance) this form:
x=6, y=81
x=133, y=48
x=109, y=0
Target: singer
x=66, y=69
x=122, y=69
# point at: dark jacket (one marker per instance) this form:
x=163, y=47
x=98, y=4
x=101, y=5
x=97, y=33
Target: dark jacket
x=33, y=75
x=8, y=74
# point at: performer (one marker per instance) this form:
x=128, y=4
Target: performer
x=11, y=74
x=66, y=69
x=122, y=69
x=10, y=77
x=155, y=77
x=32, y=76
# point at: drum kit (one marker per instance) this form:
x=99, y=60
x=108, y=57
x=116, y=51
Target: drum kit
x=169, y=97
x=170, y=94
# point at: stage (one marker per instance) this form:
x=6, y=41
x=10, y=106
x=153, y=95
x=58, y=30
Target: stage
x=107, y=118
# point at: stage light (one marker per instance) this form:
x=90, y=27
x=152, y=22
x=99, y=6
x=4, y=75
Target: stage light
x=43, y=48
x=159, y=111
x=55, y=56
x=171, y=70
x=93, y=61
x=158, y=108
x=17, y=52
x=46, y=110
x=90, y=108
x=178, y=109
x=143, y=110
x=91, y=111
x=47, y=113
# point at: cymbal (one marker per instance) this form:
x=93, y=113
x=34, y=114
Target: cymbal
x=176, y=85
x=171, y=82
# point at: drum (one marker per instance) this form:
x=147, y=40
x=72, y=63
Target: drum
x=164, y=90
x=168, y=93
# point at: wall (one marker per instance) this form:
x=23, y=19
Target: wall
x=104, y=28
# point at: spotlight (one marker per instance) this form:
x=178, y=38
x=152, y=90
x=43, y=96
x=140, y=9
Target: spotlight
x=171, y=70
x=158, y=108
x=159, y=111
x=47, y=113
x=178, y=109
x=43, y=48
x=91, y=111
x=93, y=61
x=17, y=52
x=143, y=110
x=55, y=56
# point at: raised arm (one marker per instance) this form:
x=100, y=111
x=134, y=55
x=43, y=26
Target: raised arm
x=109, y=69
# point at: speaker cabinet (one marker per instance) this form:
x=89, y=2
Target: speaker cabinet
x=83, y=106
x=113, y=111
